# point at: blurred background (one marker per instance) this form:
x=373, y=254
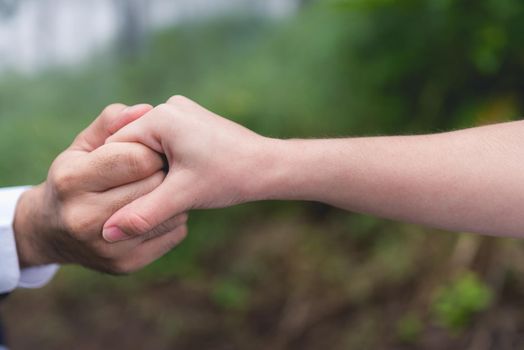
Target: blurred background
x=271, y=275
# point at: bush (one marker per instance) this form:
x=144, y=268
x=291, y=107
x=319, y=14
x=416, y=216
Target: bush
x=456, y=304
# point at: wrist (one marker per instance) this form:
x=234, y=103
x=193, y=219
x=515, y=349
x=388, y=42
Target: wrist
x=29, y=228
x=277, y=173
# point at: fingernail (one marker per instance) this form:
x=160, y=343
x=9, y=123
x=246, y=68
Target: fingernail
x=132, y=109
x=129, y=109
x=114, y=234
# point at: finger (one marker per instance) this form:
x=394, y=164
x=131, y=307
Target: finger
x=98, y=207
x=112, y=119
x=116, y=164
x=121, y=249
x=165, y=227
x=153, y=249
x=121, y=196
x=184, y=102
x=146, y=130
x=149, y=211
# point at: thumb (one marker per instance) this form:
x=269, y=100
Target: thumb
x=113, y=118
x=148, y=212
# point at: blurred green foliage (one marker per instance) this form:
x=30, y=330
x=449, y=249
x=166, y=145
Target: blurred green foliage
x=230, y=294
x=457, y=303
x=336, y=68
x=410, y=328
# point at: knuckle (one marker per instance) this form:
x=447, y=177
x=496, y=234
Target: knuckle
x=139, y=162
x=135, y=164
x=166, y=109
x=110, y=113
x=78, y=224
x=137, y=224
x=162, y=228
x=63, y=180
x=178, y=100
x=112, y=109
x=176, y=224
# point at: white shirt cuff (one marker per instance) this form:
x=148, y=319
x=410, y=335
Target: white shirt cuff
x=37, y=277
x=11, y=276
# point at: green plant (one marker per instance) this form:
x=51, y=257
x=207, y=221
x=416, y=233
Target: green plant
x=456, y=304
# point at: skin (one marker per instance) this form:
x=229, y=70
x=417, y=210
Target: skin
x=468, y=180
x=60, y=221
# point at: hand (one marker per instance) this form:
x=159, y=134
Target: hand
x=213, y=163
x=60, y=221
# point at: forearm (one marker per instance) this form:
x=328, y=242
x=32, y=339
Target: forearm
x=470, y=180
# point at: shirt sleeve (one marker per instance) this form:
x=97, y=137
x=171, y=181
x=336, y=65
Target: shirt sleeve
x=11, y=276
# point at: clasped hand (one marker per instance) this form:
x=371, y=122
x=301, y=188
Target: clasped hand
x=61, y=220
x=108, y=203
